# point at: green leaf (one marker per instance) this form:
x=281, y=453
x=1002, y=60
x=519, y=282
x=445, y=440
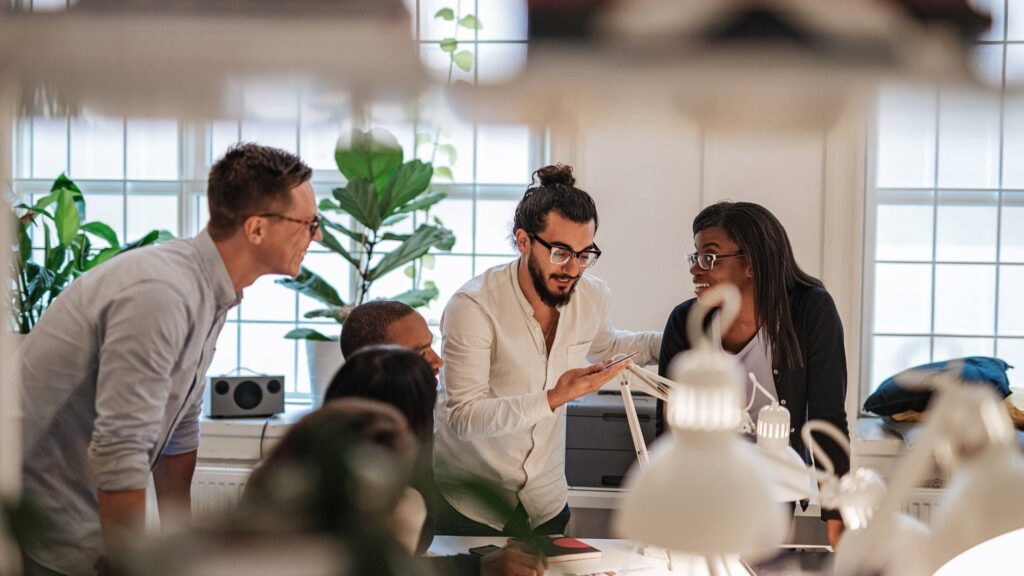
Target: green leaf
x=445, y=14
x=443, y=172
x=392, y=220
x=374, y=156
x=424, y=138
x=103, y=256
x=101, y=230
x=335, y=313
x=410, y=271
x=308, y=334
x=428, y=261
x=359, y=199
x=425, y=238
x=425, y=201
x=449, y=45
x=151, y=237
x=463, y=59
x=311, y=284
x=66, y=216
x=470, y=21
x=24, y=244
x=411, y=180
x=449, y=149
x=64, y=183
x=417, y=298
x=328, y=205
x=396, y=237
x=344, y=230
x=332, y=243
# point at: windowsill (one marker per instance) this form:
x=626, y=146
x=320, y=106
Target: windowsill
x=246, y=439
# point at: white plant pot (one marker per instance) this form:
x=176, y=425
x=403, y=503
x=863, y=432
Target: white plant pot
x=324, y=361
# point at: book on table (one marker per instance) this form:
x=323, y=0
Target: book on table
x=558, y=548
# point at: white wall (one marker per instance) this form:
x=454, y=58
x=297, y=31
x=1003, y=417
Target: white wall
x=651, y=170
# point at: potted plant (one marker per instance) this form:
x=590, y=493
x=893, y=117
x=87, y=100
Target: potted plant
x=71, y=248
x=382, y=190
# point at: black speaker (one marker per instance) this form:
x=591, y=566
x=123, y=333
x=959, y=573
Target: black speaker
x=244, y=396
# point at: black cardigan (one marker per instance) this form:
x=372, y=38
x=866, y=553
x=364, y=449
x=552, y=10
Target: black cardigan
x=814, y=391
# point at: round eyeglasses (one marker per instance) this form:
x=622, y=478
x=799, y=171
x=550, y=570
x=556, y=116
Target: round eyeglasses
x=560, y=254
x=707, y=261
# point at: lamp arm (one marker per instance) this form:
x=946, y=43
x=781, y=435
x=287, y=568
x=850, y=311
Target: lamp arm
x=639, y=444
x=753, y=391
x=828, y=429
x=725, y=296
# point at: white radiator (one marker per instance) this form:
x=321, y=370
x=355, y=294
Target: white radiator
x=217, y=487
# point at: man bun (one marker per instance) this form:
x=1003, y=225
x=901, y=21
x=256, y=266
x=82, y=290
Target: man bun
x=556, y=174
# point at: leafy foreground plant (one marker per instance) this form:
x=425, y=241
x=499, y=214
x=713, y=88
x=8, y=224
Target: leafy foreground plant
x=381, y=192
x=69, y=250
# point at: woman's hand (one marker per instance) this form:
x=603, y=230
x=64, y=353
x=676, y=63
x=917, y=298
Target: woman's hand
x=835, y=531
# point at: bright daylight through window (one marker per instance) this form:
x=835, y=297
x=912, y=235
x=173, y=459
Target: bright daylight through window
x=143, y=174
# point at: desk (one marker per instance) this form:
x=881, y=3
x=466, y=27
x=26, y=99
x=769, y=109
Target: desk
x=621, y=557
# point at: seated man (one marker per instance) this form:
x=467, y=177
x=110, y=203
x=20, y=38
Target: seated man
x=392, y=375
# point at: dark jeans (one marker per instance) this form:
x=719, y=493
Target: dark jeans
x=451, y=522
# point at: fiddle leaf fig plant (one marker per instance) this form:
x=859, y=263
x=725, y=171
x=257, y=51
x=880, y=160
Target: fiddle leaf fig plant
x=71, y=248
x=382, y=191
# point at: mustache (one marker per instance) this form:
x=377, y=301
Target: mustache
x=563, y=277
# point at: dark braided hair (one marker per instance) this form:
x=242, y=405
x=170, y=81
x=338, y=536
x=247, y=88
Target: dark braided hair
x=553, y=189
x=763, y=239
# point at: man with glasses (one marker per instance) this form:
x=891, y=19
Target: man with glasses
x=518, y=342
x=113, y=373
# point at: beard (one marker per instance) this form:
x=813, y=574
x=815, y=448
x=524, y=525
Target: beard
x=553, y=299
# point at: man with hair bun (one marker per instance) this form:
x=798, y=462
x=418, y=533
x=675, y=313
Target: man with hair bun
x=519, y=342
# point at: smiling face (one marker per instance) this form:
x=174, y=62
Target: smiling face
x=412, y=332
x=284, y=244
x=554, y=283
x=736, y=270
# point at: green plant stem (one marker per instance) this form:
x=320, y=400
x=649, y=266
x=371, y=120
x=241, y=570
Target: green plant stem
x=451, y=70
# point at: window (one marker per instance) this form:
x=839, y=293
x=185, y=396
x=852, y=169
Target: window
x=944, y=266
x=139, y=174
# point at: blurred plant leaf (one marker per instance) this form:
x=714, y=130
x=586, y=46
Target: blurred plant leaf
x=450, y=151
x=359, y=200
x=101, y=230
x=425, y=201
x=411, y=180
x=443, y=172
x=311, y=284
x=308, y=334
x=333, y=245
x=463, y=59
x=418, y=298
x=425, y=238
x=374, y=156
x=449, y=45
x=445, y=14
x=470, y=21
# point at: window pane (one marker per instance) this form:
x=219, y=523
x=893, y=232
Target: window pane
x=225, y=358
x=503, y=154
x=494, y=226
x=49, y=147
x=265, y=350
x=500, y=63
x=969, y=140
x=397, y=119
x=432, y=28
x=278, y=134
x=997, y=10
x=905, y=230
x=1014, y=19
x=483, y=263
x=949, y=348
x=987, y=64
x=153, y=149
x=906, y=138
x=892, y=354
x=147, y=213
x=1011, y=350
x=965, y=299
x=335, y=270
x=107, y=208
x=967, y=225
x=505, y=20
x=222, y=135
x=451, y=146
x=902, y=298
x=449, y=273
x=50, y=5
x=1011, y=305
x=265, y=300
x=457, y=215
x=1011, y=243
x=1013, y=142
x=318, y=142
x=97, y=148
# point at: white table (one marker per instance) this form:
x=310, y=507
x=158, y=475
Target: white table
x=619, y=557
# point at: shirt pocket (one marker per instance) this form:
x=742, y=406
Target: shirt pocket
x=576, y=355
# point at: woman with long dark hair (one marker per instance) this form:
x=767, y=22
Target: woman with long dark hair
x=788, y=332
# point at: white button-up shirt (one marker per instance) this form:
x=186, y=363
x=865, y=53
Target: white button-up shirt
x=493, y=418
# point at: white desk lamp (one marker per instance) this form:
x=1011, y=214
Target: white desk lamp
x=969, y=433
x=702, y=492
x=788, y=475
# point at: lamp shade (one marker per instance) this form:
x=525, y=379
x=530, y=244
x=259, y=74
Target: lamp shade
x=786, y=471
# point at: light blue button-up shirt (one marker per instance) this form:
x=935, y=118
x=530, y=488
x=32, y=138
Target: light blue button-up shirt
x=113, y=377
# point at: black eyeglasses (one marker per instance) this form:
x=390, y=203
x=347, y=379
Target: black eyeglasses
x=707, y=261
x=313, y=225
x=560, y=254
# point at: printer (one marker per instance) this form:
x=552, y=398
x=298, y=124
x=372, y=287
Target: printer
x=598, y=447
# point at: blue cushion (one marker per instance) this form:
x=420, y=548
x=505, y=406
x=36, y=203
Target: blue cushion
x=890, y=398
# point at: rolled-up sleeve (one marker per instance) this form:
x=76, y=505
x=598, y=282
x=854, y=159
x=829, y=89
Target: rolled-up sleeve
x=144, y=330
x=474, y=410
